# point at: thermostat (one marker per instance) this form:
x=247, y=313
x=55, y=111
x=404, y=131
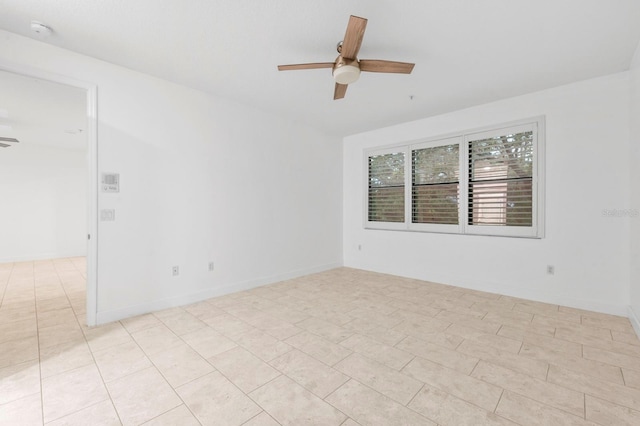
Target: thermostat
x=110, y=182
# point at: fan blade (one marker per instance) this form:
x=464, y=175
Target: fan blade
x=353, y=37
x=339, y=91
x=377, y=65
x=310, y=66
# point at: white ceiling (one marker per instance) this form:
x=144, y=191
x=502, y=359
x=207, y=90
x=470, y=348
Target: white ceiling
x=42, y=113
x=467, y=52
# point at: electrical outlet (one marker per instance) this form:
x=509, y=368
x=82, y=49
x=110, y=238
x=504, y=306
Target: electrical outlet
x=211, y=266
x=551, y=269
x=175, y=271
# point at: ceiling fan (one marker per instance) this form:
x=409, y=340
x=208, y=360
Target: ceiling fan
x=347, y=66
x=4, y=145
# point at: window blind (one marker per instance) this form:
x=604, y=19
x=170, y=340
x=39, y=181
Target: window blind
x=501, y=180
x=386, y=187
x=435, y=184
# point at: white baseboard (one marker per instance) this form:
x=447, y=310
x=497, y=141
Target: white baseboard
x=634, y=317
x=157, y=305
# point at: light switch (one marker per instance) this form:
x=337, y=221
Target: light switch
x=107, y=215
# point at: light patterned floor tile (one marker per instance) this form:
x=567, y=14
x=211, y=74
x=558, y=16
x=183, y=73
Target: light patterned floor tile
x=208, y=342
x=526, y=411
x=26, y=411
x=140, y=322
x=243, y=369
x=367, y=324
x=291, y=404
x=608, y=413
x=107, y=335
x=262, y=345
x=262, y=419
x=180, y=364
x=493, y=340
x=468, y=388
x=612, y=358
x=319, y=348
x=228, y=325
x=532, y=367
x=310, y=373
x=18, y=381
x=449, y=358
x=581, y=365
x=611, y=322
x=618, y=394
x=118, y=361
x=18, y=351
x=156, y=339
x=379, y=377
x=631, y=378
x=388, y=355
x=179, y=416
x=66, y=356
x=329, y=331
x=447, y=410
x=71, y=391
x=142, y=396
x=100, y=414
x=216, y=401
x=183, y=323
x=549, y=393
x=631, y=338
x=368, y=407
x=607, y=345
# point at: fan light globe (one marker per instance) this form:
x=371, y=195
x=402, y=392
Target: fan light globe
x=346, y=74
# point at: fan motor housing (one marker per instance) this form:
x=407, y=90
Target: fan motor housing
x=346, y=71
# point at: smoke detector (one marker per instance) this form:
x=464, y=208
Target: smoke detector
x=40, y=29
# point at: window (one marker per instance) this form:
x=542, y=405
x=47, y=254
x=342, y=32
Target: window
x=483, y=182
x=386, y=187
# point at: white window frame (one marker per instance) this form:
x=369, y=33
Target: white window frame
x=535, y=124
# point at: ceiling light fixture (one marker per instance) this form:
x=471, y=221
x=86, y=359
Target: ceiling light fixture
x=40, y=29
x=346, y=71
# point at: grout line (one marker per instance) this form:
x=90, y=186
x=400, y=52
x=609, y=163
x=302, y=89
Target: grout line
x=546, y=377
x=35, y=305
x=499, y=399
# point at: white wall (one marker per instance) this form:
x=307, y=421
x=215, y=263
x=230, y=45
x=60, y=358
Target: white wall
x=634, y=312
x=587, y=128
x=202, y=179
x=42, y=203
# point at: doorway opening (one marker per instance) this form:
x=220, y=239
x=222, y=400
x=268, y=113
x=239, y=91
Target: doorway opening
x=50, y=122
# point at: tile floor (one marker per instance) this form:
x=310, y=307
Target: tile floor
x=343, y=347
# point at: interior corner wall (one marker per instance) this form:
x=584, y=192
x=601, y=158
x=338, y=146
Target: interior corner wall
x=634, y=162
x=43, y=208
x=202, y=179
x=587, y=172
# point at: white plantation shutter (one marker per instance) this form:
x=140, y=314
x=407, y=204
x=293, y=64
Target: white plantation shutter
x=501, y=180
x=386, y=187
x=435, y=189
